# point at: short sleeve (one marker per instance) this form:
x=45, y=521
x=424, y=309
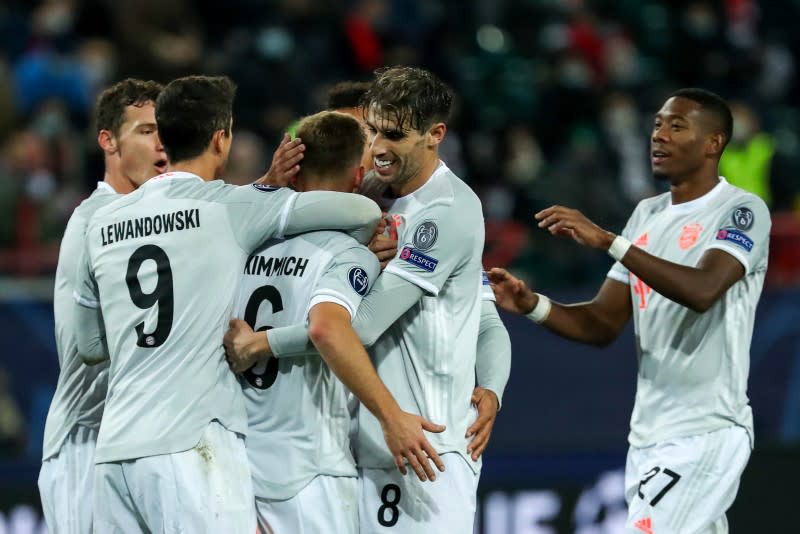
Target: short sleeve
x=486, y=289
x=742, y=230
x=85, y=291
x=431, y=245
x=257, y=212
x=347, y=280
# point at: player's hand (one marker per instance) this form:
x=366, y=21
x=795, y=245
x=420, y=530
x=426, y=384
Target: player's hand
x=511, y=293
x=243, y=347
x=285, y=162
x=568, y=222
x=481, y=430
x=407, y=442
x=383, y=246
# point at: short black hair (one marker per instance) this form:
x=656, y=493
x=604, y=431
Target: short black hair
x=345, y=95
x=111, y=104
x=413, y=97
x=188, y=112
x=712, y=103
x=334, y=143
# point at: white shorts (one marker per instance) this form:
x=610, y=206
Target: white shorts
x=685, y=485
x=205, y=489
x=66, y=484
x=391, y=502
x=326, y=505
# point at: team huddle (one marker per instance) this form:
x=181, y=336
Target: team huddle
x=320, y=351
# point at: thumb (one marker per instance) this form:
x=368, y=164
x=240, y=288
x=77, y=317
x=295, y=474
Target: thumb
x=431, y=427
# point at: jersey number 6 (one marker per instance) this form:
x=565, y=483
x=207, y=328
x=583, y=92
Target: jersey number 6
x=264, y=379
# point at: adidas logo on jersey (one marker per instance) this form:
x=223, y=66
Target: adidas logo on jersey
x=645, y=525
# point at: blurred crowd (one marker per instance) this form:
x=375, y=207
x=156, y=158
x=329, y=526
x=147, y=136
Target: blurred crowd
x=555, y=100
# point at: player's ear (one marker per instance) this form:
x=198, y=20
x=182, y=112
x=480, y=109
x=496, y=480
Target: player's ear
x=436, y=134
x=218, y=141
x=358, y=177
x=715, y=144
x=107, y=142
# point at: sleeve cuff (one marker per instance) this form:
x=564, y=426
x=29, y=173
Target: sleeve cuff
x=414, y=279
x=733, y=252
x=334, y=297
x=619, y=277
x=83, y=301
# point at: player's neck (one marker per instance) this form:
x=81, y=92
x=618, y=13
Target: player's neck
x=419, y=179
x=119, y=183
x=203, y=166
x=688, y=189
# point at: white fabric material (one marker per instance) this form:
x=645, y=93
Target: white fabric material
x=66, y=484
x=693, y=367
x=206, y=489
x=393, y=503
x=81, y=390
x=163, y=261
x=427, y=357
x=326, y=505
x=709, y=466
x=297, y=410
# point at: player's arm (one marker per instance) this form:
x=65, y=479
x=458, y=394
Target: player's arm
x=87, y=318
x=328, y=210
x=492, y=369
x=697, y=288
x=596, y=322
x=332, y=334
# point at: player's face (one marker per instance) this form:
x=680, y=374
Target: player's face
x=677, y=146
x=141, y=154
x=398, y=154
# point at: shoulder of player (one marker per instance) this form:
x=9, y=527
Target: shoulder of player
x=736, y=196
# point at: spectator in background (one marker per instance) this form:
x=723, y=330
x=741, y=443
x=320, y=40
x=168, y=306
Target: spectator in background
x=12, y=426
x=747, y=161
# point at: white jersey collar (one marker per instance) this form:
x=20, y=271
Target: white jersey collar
x=701, y=202
x=174, y=175
x=441, y=169
x=105, y=186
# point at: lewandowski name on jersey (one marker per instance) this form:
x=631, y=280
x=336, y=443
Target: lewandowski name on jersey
x=146, y=226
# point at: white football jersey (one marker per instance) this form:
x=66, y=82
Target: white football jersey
x=427, y=357
x=693, y=367
x=297, y=409
x=81, y=389
x=164, y=264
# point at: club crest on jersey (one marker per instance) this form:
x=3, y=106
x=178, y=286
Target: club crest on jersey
x=415, y=257
x=425, y=235
x=743, y=218
x=735, y=236
x=359, y=280
x=689, y=236
x=484, y=278
x=265, y=188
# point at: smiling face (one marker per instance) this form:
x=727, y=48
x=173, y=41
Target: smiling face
x=141, y=154
x=400, y=154
x=681, y=142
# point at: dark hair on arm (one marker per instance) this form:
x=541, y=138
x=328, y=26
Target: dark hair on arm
x=111, y=103
x=712, y=103
x=188, y=112
x=414, y=98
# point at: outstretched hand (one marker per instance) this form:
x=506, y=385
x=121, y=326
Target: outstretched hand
x=568, y=222
x=511, y=293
